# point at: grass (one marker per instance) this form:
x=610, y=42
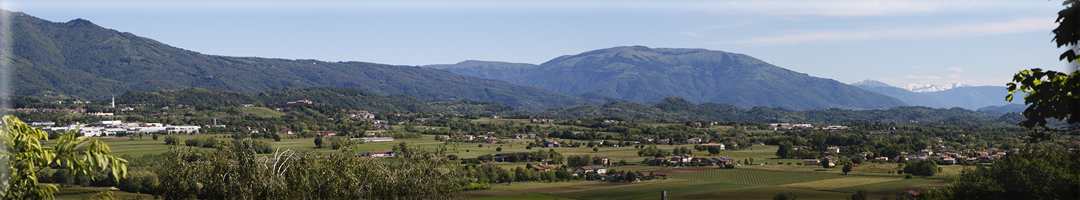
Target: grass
x=767, y=193
x=533, y=196
x=652, y=191
x=87, y=192
x=753, y=177
x=831, y=184
x=888, y=185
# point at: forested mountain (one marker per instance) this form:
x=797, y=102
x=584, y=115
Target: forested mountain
x=79, y=59
x=671, y=108
x=348, y=98
x=502, y=71
x=1013, y=107
x=908, y=97
x=645, y=74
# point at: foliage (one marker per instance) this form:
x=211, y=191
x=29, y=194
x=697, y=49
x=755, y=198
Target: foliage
x=237, y=172
x=1051, y=94
x=81, y=155
x=1035, y=175
x=859, y=195
x=925, y=167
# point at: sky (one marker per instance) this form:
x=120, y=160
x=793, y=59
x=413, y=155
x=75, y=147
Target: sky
x=897, y=42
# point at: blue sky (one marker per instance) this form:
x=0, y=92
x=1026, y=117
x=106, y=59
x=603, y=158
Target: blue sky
x=896, y=42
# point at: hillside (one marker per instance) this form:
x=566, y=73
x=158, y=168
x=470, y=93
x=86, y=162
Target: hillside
x=79, y=59
x=501, y=71
x=908, y=97
x=645, y=74
x=348, y=98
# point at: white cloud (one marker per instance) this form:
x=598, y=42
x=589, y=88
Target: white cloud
x=957, y=69
x=1027, y=24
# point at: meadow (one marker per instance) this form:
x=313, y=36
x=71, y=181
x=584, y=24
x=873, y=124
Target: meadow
x=759, y=181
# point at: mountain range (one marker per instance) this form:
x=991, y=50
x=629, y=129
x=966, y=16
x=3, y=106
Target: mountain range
x=946, y=96
x=81, y=60
x=78, y=59
x=644, y=74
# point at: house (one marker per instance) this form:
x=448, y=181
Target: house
x=721, y=161
x=910, y=194
x=693, y=140
x=552, y=143
x=379, y=153
x=543, y=168
x=796, y=147
x=494, y=116
x=470, y=137
x=719, y=145
x=247, y=105
x=376, y=139
x=492, y=140
x=286, y=131
x=948, y=161
x=604, y=160
x=665, y=141
x=833, y=149
x=864, y=155
x=444, y=138
x=530, y=136
x=647, y=139
x=811, y=162
x=327, y=133
x=599, y=169
x=375, y=132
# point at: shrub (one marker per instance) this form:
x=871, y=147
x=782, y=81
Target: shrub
x=208, y=142
x=193, y=142
x=172, y=140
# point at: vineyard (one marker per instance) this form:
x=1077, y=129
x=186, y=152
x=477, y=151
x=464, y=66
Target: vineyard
x=754, y=177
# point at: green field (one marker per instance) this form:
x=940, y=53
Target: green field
x=745, y=182
x=753, y=177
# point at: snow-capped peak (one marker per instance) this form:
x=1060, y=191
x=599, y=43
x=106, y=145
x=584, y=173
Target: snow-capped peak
x=871, y=83
x=929, y=87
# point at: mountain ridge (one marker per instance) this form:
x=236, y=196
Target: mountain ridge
x=79, y=59
x=644, y=74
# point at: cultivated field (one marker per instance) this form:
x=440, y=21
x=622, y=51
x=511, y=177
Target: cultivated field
x=762, y=180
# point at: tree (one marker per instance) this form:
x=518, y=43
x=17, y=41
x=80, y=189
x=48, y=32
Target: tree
x=26, y=156
x=1052, y=94
x=498, y=149
x=784, y=196
x=784, y=150
x=859, y=195
x=594, y=149
x=318, y=142
x=847, y=168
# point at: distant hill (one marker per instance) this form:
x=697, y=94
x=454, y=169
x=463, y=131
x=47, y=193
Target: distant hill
x=645, y=74
x=974, y=97
x=908, y=97
x=79, y=59
x=502, y=71
x=1015, y=107
x=348, y=98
